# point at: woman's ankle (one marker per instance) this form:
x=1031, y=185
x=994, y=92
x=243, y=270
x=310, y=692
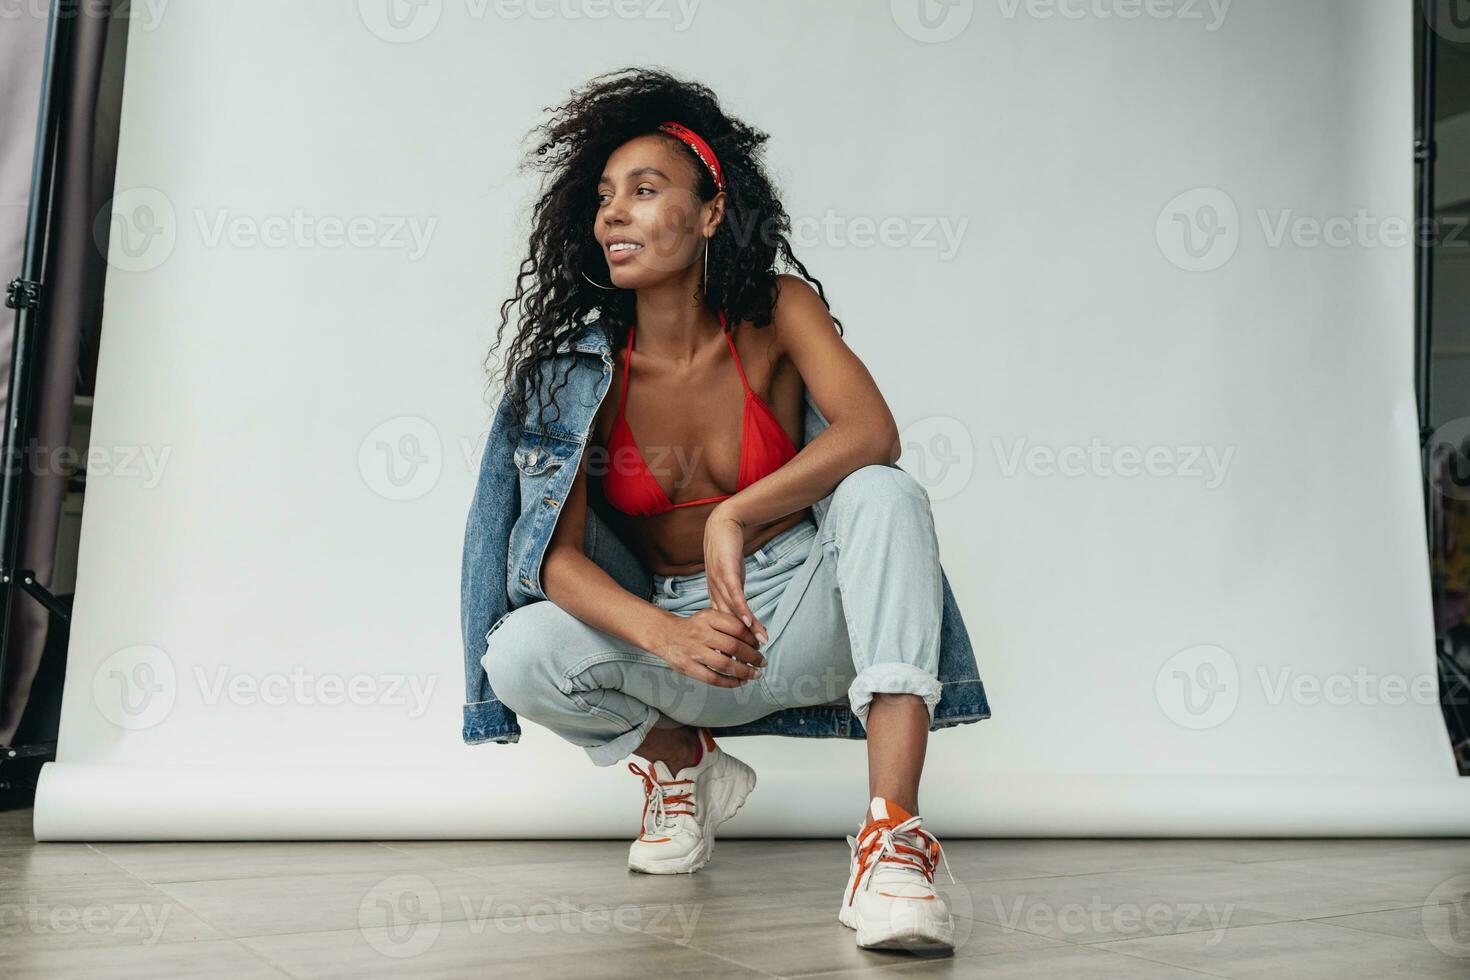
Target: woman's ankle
x=677, y=747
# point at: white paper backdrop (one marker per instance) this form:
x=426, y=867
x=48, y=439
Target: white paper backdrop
x=1169, y=433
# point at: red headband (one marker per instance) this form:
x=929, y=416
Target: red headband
x=701, y=149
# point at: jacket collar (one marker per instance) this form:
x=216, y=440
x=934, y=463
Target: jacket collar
x=592, y=338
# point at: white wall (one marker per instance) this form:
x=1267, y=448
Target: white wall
x=317, y=410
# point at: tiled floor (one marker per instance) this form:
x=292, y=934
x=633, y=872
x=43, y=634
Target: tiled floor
x=1130, y=909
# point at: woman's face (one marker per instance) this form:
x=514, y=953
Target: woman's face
x=650, y=221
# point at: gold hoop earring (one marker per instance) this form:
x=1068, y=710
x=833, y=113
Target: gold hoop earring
x=706, y=270
x=597, y=284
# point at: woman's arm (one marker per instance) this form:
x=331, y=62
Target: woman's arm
x=861, y=430
x=693, y=645
x=581, y=587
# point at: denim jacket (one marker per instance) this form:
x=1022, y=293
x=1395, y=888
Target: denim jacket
x=520, y=492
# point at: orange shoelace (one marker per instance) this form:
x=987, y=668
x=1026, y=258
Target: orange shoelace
x=663, y=803
x=902, y=843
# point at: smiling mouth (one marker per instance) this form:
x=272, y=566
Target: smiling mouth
x=624, y=247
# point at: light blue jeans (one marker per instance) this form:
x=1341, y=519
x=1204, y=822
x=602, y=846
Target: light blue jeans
x=852, y=607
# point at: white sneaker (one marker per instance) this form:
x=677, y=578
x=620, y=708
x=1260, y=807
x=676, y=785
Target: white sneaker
x=890, y=898
x=681, y=812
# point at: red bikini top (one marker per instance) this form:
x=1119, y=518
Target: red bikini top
x=764, y=448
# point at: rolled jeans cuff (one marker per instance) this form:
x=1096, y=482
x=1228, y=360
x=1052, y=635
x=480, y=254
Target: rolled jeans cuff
x=892, y=678
x=612, y=752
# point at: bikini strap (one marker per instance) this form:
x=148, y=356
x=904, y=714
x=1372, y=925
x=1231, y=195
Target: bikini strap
x=736, y=354
x=627, y=369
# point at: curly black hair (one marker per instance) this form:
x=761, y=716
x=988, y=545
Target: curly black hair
x=572, y=147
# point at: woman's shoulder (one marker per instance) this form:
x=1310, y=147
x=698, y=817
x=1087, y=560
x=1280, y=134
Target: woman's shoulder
x=797, y=310
x=794, y=301
x=787, y=286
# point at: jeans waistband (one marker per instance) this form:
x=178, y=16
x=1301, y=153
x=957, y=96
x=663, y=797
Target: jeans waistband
x=766, y=555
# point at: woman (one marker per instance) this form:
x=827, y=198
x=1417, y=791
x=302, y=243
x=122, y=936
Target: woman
x=660, y=216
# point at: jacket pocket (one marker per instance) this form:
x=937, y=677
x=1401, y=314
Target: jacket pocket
x=538, y=453
x=536, y=460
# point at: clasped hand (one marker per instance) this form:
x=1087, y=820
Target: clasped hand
x=717, y=645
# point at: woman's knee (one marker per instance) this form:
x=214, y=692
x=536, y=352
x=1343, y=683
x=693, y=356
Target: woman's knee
x=877, y=486
x=518, y=659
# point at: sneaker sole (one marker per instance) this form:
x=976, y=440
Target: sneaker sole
x=921, y=938
x=736, y=790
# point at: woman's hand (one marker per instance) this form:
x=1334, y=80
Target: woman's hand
x=724, y=568
x=710, y=646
